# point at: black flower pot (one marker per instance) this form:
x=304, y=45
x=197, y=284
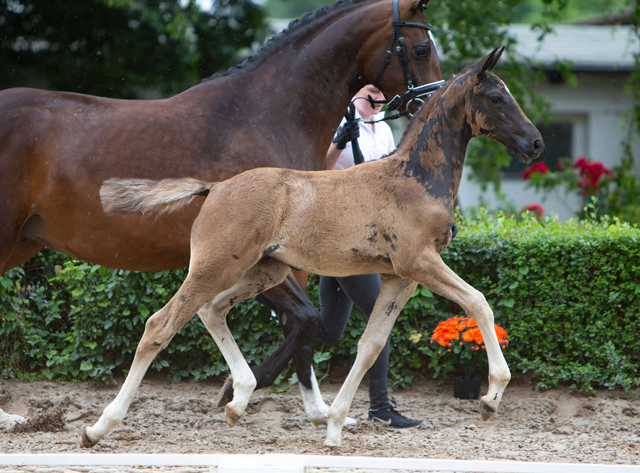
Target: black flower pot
x=464, y=388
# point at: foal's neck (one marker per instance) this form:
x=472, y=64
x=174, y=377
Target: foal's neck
x=436, y=155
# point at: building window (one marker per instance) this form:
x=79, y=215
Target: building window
x=558, y=140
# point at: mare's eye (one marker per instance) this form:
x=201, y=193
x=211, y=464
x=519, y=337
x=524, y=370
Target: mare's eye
x=420, y=51
x=496, y=99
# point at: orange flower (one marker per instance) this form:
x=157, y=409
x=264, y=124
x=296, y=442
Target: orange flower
x=467, y=329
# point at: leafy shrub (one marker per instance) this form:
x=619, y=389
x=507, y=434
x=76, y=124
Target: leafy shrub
x=567, y=294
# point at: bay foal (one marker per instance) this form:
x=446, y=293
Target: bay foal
x=391, y=216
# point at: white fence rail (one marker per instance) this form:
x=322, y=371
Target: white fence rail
x=283, y=463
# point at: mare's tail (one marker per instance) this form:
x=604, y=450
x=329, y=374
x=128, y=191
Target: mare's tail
x=146, y=196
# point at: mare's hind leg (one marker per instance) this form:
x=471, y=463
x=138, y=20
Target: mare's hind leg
x=198, y=288
x=268, y=272
x=8, y=421
x=22, y=252
x=13, y=253
x=394, y=293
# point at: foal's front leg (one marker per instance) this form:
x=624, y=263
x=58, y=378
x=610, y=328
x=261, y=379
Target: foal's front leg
x=431, y=271
x=394, y=293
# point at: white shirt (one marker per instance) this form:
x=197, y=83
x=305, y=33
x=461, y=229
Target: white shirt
x=373, y=145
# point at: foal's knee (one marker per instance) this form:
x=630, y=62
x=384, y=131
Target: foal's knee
x=479, y=308
x=371, y=348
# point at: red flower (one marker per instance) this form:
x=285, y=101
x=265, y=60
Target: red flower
x=591, y=174
x=537, y=209
x=537, y=167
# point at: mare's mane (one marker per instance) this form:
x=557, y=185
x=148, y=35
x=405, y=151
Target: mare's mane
x=285, y=35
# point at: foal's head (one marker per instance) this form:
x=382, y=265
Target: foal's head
x=493, y=111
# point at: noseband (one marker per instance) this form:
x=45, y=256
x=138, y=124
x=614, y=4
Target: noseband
x=412, y=93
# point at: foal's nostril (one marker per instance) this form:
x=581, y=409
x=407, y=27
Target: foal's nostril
x=538, y=144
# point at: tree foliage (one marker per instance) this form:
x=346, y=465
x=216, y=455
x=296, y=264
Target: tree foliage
x=120, y=48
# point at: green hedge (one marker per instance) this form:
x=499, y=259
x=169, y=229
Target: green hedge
x=567, y=294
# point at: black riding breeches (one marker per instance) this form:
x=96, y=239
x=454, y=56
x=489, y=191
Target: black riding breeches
x=337, y=296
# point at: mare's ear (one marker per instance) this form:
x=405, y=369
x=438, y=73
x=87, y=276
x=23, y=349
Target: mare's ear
x=419, y=4
x=489, y=61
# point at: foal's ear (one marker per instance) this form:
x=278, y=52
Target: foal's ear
x=489, y=61
x=420, y=4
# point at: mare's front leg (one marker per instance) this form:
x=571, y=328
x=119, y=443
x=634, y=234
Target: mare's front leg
x=431, y=271
x=300, y=321
x=267, y=273
x=394, y=293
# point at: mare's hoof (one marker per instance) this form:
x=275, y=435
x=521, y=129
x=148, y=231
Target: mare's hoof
x=225, y=396
x=486, y=411
x=232, y=415
x=85, y=440
x=9, y=421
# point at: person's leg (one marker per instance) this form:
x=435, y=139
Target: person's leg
x=335, y=308
x=363, y=290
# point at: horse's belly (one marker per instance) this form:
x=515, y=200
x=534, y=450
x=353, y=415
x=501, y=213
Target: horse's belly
x=334, y=263
x=125, y=242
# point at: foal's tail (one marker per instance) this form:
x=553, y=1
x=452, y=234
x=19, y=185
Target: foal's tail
x=146, y=196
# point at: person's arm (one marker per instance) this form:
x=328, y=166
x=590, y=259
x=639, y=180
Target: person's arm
x=332, y=156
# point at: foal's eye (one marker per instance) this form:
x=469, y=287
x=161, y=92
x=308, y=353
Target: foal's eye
x=496, y=99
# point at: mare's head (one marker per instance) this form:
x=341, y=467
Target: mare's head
x=416, y=60
x=494, y=112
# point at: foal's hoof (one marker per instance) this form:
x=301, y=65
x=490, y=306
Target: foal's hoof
x=225, y=396
x=320, y=421
x=85, y=440
x=232, y=415
x=486, y=411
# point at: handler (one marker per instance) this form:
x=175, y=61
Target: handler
x=338, y=294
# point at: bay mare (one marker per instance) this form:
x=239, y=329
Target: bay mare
x=279, y=109
x=392, y=216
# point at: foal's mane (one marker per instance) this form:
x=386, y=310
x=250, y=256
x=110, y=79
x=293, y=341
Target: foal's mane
x=285, y=35
x=417, y=123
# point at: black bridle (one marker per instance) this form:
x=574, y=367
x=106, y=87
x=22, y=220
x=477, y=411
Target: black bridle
x=412, y=93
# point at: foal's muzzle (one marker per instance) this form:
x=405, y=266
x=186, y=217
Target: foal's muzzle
x=530, y=149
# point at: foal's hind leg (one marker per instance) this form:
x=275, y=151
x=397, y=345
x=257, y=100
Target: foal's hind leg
x=266, y=273
x=160, y=328
x=299, y=320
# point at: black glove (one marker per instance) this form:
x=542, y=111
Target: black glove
x=346, y=133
